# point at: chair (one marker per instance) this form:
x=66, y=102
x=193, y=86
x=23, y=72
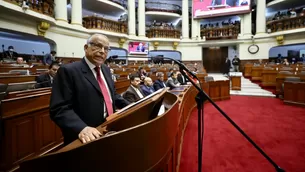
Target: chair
x=21, y=86
x=3, y=87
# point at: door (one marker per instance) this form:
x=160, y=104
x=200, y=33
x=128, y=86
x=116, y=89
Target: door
x=214, y=58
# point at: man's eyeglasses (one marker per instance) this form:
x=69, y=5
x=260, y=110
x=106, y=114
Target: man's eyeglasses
x=100, y=47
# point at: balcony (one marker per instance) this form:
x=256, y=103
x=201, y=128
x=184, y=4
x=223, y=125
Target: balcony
x=94, y=22
x=40, y=6
x=163, y=33
x=163, y=7
x=228, y=32
x=285, y=24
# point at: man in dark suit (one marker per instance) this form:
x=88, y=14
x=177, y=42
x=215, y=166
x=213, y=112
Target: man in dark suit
x=181, y=79
x=83, y=93
x=140, y=47
x=159, y=83
x=227, y=67
x=147, y=88
x=49, y=58
x=10, y=54
x=134, y=93
x=46, y=79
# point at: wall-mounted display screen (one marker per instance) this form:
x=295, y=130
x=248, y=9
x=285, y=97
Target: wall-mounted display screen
x=213, y=8
x=141, y=48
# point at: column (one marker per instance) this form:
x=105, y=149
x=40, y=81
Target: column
x=195, y=29
x=60, y=10
x=141, y=18
x=76, y=12
x=247, y=25
x=185, y=19
x=261, y=17
x=131, y=17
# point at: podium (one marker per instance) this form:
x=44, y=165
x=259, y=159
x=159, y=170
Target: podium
x=141, y=138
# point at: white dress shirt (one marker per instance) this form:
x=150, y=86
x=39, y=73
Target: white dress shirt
x=137, y=91
x=92, y=66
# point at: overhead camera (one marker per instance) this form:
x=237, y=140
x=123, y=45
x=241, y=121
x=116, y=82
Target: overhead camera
x=25, y=5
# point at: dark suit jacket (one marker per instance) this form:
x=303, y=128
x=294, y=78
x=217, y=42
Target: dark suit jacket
x=159, y=84
x=43, y=81
x=180, y=79
x=77, y=101
x=131, y=95
x=146, y=90
x=47, y=59
x=142, y=49
x=12, y=56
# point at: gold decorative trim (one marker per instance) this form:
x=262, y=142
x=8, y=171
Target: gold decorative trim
x=280, y=40
x=121, y=42
x=175, y=44
x=156, y=44
x=42, y=28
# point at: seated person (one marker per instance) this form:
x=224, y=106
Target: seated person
x=112, y=75
x=159, y=83
x=147, y=88
x=46, y=79
x=182, y=80
x=142, y=73
x=10, y=54
x=172, y=81
x=285, y=62
x=140, y=47
x=133, y=93
x=169, y=73
x=20, y=63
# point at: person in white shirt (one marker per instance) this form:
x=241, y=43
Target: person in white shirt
x=133, y=93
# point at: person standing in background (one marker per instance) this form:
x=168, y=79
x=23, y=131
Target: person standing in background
x=49, y=58
x=227, y=66
x=10, y=54
x=236, y=63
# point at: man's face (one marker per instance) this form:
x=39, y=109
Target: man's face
x=19, y=60
x=175, y=76
x=161, y=78
x=53, y=70
x=97, y=50
x=136, y=82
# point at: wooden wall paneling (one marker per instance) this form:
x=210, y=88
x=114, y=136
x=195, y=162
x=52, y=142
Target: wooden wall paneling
x=214, y=58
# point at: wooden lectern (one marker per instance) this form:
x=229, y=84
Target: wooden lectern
x=142, y=140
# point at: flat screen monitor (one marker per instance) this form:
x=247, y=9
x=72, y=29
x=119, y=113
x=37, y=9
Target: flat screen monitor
x=214, y=8
x=140, y=48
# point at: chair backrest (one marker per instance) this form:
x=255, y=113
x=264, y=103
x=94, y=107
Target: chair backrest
x=285, y=72
x=21, y=72
x=21, y=86
x=2, y=96
x=208, y=78
x=3, y=87
x=293, y=79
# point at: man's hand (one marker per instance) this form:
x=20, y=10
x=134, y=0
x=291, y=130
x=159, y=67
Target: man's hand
x=88, y=134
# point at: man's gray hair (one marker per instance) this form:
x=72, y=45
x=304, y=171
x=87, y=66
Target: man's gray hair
x=89, y=40
x=159, y=74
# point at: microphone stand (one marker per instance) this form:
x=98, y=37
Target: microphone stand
x=200, y=99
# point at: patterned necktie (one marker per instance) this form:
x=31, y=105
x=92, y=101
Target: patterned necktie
x=104, y=90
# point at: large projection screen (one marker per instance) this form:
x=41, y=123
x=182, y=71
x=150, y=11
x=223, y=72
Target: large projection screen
x=214, y=8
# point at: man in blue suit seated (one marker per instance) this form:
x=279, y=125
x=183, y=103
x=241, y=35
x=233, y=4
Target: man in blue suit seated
x=147, y=88
x=140, y=47
x=159, y=83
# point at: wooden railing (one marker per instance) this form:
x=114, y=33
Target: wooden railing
x=163, y=33
x=163, y=7
x=286, y=24
x=93, y=22
x=230, y=32
x=41, y=6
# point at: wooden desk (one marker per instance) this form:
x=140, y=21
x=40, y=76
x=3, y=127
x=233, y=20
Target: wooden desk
x=235, y=82
x=294, y=93
x=269, y=78
x=219, y=90
x=256, y=73
x=26, y=129
x=248, y=69
x=16, y=79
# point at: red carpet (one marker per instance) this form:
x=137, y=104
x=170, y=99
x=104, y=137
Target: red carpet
x=277, y=128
